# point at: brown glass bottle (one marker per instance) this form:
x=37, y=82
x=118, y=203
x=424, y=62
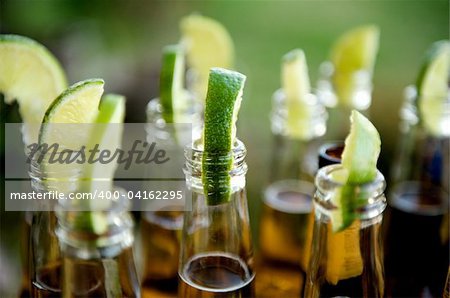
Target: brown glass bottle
x=285, y=220
x=417, y=216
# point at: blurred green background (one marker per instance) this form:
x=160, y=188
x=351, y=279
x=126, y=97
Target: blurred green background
x=121, y=41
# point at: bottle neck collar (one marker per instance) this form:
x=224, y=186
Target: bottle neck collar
x=316, y=123
x=94, y=234
x=370, y=196
x=195, y=157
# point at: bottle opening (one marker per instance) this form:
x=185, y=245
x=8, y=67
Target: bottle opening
x=290, y=196
x=331, y=153
x=417, y=198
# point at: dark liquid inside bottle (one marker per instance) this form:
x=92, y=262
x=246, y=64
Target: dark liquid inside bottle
x=48, y=281
x=216, y=275
x=416, y=255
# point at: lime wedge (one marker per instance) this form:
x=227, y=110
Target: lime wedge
x=359, y=161
x=76, y=105
x=223, y=101
x=207, y=44
x=107, y=133
x=30, y=74
x=354, y=51
x=297, y=87
x=99, y=177
x=171, y=90
x=433, y=86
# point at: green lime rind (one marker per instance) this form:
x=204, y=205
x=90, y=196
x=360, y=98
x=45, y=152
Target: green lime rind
x=99, y=177
x=171, y=81
x=359, y=161
x=361, y=151
x=52, y=110
x=223, y=101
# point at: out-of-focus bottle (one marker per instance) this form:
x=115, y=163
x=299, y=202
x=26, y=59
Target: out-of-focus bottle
x=358, y=96
x=216, y=257
x=161, y=225
x=96, y=251
x=347, y=263
x=45, y=259
x=417, y=217
x=285, y=217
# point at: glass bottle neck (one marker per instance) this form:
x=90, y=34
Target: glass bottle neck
x=346, y=90
x=193, y=169
x=316, y=122
x=372, y=201
x=94, y=234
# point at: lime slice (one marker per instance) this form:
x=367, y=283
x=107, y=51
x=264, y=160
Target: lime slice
x=297, y=87
x=223, y=101
x=354, y=51
x=171, y=90
x=208, y=44
x=30, y=74
x=107, y=134
x=76, y=105
x=359, y=161
x=433, y=87
x=99, y=177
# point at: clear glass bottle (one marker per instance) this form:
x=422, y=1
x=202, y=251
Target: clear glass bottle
x=216, y=257
x=97, y=260
x=160, y=228
x=355, y=92
x=417, y=217
x=347, y=263
x=285, y=217
x=45, y=259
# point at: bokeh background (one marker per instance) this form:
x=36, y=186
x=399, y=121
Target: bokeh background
x=121, y=41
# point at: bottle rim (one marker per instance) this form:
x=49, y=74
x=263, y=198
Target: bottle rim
x=279, y=114
x=327, y=186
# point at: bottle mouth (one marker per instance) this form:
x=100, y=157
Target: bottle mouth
x=195, y=156
x=279, y=115
x=361, y=81
x=290, y=196
x=409, y=111
x=329, y=186
x=331, y=153
x=415, y=197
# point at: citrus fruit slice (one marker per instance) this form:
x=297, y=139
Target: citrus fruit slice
x=297, y=87
x=359, y=162
x=32, y=76
x=62, y=126
x=223, y=101
x=433, y=87
x=107, y=134
x=172, y=94
x=354, y=51
x=208, y=44
x=99, y=177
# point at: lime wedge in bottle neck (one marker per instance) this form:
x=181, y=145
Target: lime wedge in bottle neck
x=433, y=89
x=300, y=102
x=223, y=101
x=171, y=91
x=32, y=76
x=354, y=52
x=359, y=162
